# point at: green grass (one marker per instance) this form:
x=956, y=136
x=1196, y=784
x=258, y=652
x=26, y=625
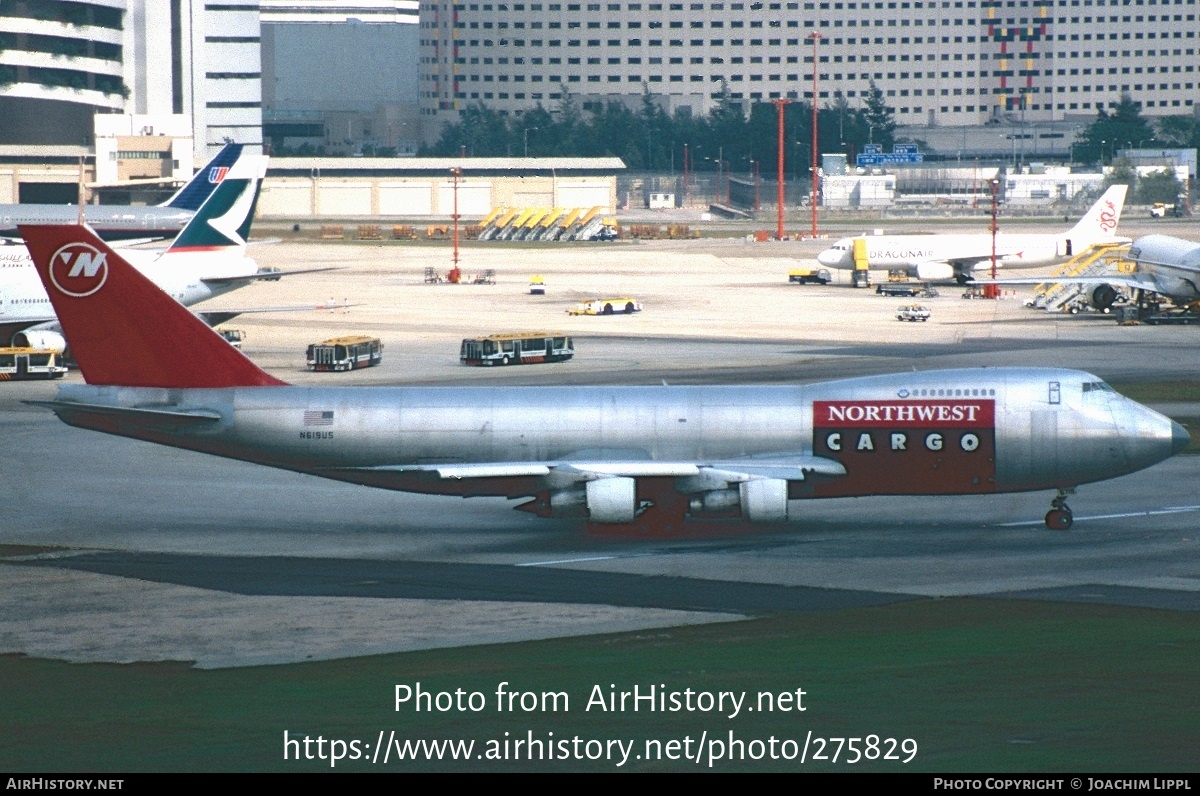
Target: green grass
x=981, y=685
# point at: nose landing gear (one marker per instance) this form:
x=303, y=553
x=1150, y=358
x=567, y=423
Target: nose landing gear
x=1059, y=518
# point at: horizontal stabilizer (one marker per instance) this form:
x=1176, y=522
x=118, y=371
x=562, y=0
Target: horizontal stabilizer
x=266, y=275
x=173, y=416
x=216, y=317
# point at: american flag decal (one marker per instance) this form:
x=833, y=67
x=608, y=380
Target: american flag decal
x=318, y=417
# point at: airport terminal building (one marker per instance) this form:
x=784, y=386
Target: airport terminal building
x=960, y=63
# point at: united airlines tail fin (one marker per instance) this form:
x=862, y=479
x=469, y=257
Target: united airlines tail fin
x=122, y=329
x=223, y=221
x=1100, y=223
x=197, y=189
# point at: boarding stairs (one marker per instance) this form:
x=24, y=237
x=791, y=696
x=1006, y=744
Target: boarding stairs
x=589, y=225
x=1058, y=291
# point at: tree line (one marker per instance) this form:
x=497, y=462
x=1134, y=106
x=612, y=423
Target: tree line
x=649, y=139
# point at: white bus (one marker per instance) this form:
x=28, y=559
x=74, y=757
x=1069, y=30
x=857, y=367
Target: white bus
x=345, y=353
x=516, y=349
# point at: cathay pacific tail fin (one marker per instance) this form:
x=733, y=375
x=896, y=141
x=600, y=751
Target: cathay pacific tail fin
x=223, y=221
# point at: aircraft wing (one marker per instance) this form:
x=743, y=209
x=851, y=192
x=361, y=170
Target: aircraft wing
x=790, y=467
x=265, y=275
x=216, y=317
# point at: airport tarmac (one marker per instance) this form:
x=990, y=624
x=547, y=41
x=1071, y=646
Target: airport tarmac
x=120, y=550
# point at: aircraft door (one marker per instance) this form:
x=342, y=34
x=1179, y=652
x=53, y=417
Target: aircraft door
x=1043, y=445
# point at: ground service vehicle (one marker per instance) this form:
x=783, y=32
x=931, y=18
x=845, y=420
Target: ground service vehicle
x=30, y=363
x=912, y=313
x=637, y=460
x=606, y=307
x=898, y=289
x=809, y=276
x=516, y=349
x=345, y=353
x=235, y=337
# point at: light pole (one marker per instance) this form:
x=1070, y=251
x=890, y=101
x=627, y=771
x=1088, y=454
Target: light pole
x=779, y=104
x=754, y=167
x=993, y=290
x=816, y=38
x=455, y=172
x=525, y=137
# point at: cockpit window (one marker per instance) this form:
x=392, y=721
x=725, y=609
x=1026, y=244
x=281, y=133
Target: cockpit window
x=1097, y=386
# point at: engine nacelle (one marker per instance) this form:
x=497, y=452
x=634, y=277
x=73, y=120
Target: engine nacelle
x=719, y=502
x=1102, y=297
x=929, y=272
x=764, y=499
x=34, y=338
x=612, y=499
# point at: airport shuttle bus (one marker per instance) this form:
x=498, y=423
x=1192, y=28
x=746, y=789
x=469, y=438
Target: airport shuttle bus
x=516, y=349
x=30, y=363
x=345, y=353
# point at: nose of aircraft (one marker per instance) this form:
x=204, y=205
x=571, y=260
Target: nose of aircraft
x=1151, y=437
x=831, y=257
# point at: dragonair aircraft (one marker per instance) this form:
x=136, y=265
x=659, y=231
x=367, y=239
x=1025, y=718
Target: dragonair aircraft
x=632, y=459
x=960, y=256
x=126, y=222
x=207, y=259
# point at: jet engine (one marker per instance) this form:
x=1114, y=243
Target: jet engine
x=929, y=272
x=31, y=338
x=1102, y=297
x=764, y=499
x=602, y=500
x=759, y=500
x=612, y=499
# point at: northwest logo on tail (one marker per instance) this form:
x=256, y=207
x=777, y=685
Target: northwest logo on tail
x=78, y=269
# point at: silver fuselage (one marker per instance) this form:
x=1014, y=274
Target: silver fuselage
x=938, y=432
x=1170, y=266
x=111, y=222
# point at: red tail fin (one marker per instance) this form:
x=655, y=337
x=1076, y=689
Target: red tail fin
x=122, y=329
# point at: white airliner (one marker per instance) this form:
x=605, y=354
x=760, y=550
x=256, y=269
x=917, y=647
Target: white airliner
x=960, y=256
x=207, y=259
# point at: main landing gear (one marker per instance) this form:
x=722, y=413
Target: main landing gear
x=1059, y=518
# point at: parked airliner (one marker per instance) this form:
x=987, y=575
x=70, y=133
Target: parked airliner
x=1163, y=265
x=635, y=459
x=959, y=256
x=127, y=222
x=207, y=259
